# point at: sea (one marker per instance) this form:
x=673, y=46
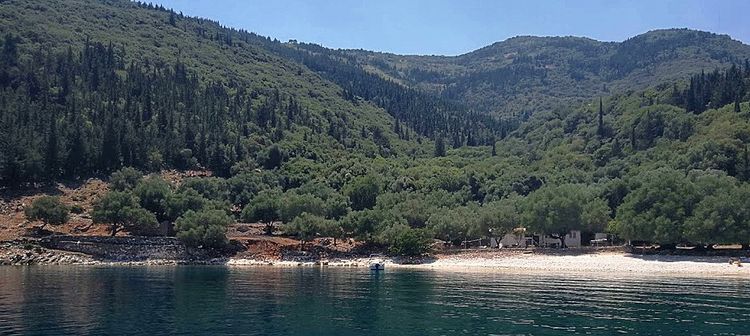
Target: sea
x=231, y=300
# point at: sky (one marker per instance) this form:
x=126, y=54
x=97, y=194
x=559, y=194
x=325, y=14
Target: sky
x=452, y=27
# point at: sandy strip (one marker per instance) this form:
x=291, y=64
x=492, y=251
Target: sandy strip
x=617, y=263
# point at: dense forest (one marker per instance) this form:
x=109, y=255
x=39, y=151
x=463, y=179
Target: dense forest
x=312, y=138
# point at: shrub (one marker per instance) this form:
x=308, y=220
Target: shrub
x=293, y=205
x=49, y=210
x=123, y=213
x=153, y=193
x=181, y=202
x=306, y=226
x=77, y=209
x=125, y=179
x=362, y=192
x=203, y=229
x=263, y=208
x=403, y=240
x=212, y=188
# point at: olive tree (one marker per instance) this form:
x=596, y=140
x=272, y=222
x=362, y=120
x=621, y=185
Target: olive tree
x=203, y=229
x=292, y=205
x=658, y=207
x=153, y=193
x=125, y=179
x=557, y=210
x=306, y=226
x=264, y=208
x=123, y=213
x=362, y=192
x=49, y=210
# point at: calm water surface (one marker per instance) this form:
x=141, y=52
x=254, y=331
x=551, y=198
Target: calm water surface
x=203, y=300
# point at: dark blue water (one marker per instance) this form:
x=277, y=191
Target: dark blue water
x=214, y=300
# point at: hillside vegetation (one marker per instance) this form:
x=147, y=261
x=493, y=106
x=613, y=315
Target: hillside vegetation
x=348, y=144
x=528, y=74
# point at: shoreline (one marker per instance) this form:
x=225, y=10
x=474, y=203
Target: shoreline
x=610, y=262
x=613, y=263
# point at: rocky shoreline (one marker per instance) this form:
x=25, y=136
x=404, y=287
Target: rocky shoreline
x=24, y=252
x=28, y=252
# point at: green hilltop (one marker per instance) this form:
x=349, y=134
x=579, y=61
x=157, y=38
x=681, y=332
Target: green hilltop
x=526, y=74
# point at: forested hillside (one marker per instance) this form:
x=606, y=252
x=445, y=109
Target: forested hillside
x=528, y=74
x=390, y=150
x=153, y=89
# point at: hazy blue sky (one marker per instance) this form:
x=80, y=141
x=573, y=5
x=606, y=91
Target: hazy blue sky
x=458, y=26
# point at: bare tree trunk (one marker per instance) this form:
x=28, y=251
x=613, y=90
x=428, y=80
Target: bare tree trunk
x=561, y=237
x=85, y=228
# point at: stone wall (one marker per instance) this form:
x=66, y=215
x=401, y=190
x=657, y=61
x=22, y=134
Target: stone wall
x=120, y=248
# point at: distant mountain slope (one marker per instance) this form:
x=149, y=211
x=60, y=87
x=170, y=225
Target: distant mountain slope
x=526, y=74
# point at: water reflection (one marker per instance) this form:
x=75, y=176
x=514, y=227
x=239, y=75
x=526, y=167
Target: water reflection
x=318, y=301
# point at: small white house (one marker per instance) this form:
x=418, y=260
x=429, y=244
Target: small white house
x=517, y=238
x=572, y=239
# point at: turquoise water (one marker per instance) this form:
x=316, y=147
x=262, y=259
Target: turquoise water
x=215, y=300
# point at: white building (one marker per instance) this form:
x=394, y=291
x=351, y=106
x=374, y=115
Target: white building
x=519, y=238
x=572, y=239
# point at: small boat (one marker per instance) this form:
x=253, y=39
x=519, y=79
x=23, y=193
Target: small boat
x=377, y=266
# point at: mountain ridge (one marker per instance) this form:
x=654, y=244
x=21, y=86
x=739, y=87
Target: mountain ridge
x=578, y=68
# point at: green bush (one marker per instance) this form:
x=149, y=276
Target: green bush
x=77, y=209
x=125, y=179
x=153, y=193
x=181, y=202
x=293, y=205
x=48, y=209
x=212, y=188
x=123, y=213
x=403, y=240
x=263, y=208
x=306, y=226
x=363, y=192
x=203, y=229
